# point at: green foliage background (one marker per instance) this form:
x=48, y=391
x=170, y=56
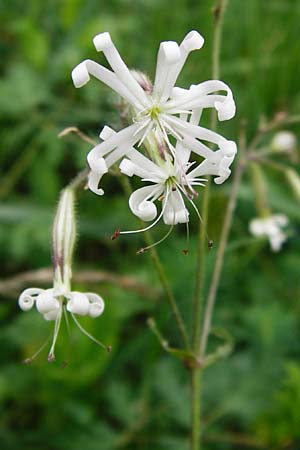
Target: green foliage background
x=137, y=397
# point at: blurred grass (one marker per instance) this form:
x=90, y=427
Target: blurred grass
x=137, y=397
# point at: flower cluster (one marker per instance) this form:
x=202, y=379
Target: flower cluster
x=164, y=135
x=271, y=228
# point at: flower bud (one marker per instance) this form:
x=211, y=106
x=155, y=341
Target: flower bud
x=63, y=237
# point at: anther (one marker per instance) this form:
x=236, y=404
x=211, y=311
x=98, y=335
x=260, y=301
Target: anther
x=185, y=251
x=141, y=250
x=210, y=244
x=116, y=234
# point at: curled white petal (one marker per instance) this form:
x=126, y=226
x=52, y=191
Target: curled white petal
x=94, y=179
x=46, y=302
x=192, y=41
x=106, y=133
x=227, y=109
x=168, y=55
x=102, y=41
x=28, y=297
x=96, y=304
x=127, y=167
x=175, y=210
x=78, y=303
x=52, y=315
x=80, y=75
x=141, y=202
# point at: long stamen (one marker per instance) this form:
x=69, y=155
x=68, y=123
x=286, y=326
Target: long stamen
x=29, y=360
x=186, y=250
x=145, y=249
x=197, y=211
x=87, y=334
x=51, y=356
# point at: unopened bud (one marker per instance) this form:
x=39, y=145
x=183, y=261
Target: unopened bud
x=63, y=236
x=143, y=81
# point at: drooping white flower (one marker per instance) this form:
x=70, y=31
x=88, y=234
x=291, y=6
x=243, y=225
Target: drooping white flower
x=161, y=111
x=53, y=303
x=272, y=228
x=50, y=302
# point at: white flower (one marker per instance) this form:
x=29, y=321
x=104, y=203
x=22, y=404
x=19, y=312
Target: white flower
x=53, y=303
x=284, y=141
x=50, y=302
x=173, y=179
x=161, y=111
x=270, y=227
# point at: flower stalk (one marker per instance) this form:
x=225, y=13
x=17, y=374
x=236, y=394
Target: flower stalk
x=218, y=12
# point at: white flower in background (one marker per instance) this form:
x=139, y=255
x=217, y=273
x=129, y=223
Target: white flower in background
x=161, y=111
x=271, y=228
x=284, y=141
x=53, y=303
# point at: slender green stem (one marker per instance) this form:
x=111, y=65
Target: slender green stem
x=218, y=12
x=220, y=257
x=195, y=408
x=162, y=277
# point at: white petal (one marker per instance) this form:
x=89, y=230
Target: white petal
x=175, y=210
x=96, y=304
x=28, y=297
x=94, y=179
x=192, y=41
x=277, y=240
x=81, y=76
x=52, y=315
x=78, y=303
x=280, y=219
x=46, y=302
x=106, y=133
x=198, y=97
x=141, y=202
x=115, y=140
x=142, y=166
x=127, y=167
x=119, y=153
x=168, y=56
x=217, y=164
x=104, y=43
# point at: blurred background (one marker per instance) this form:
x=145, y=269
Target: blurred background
x=137, y=397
